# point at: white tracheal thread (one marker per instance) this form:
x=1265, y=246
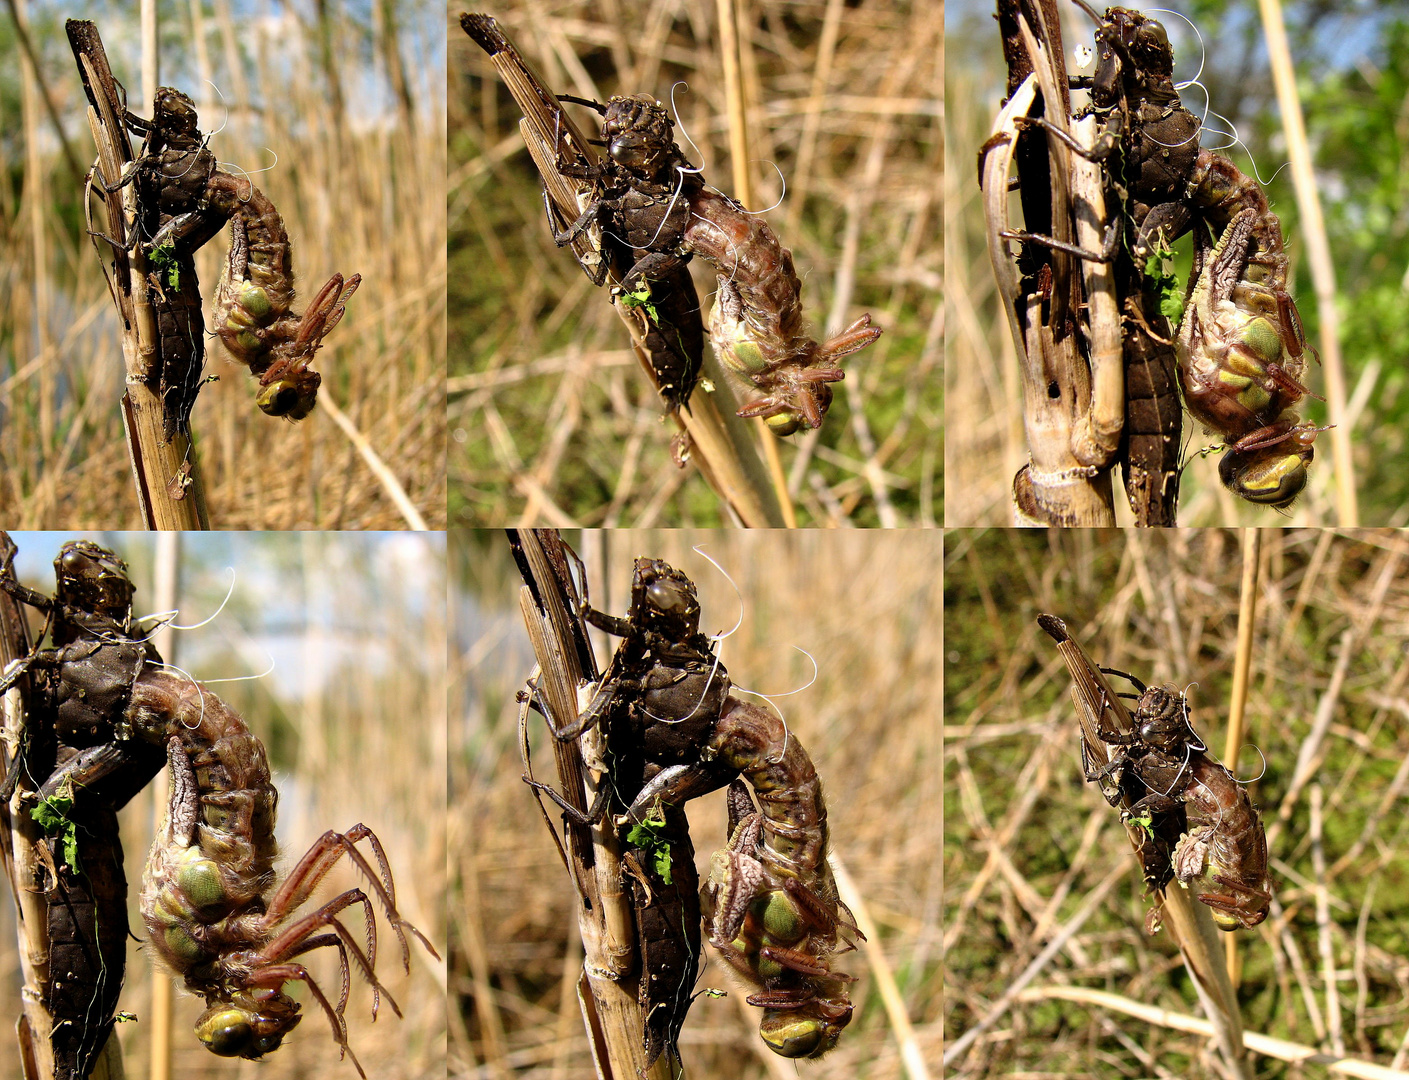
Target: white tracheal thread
x=719, y=638
x=225, y=119
x=167, y=618
x=1232, y=134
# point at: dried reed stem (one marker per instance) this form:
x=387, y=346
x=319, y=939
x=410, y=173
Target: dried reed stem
x=1266, y=1045
x=1323, y=273
x=168, y=484
x=1072, y=437
x=20, y=838
x=1242, y=666
x=606, y=989
x=722, y=449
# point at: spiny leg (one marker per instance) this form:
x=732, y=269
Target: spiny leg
x=319, y=859
x=324, y=941
x=275, y=975
x=289, y=940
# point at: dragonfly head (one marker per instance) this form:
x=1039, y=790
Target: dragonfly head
x=174, y=117
x=92, y=579
x=639, y=135
x=290, y=394
x=1270, y=476
x=249, y=1026
x=664, y=600
x=805, y=1032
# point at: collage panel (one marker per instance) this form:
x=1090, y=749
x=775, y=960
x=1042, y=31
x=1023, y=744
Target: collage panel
x=1168, y=304
x=257, y=670
x=234, y=319
x=762, y=146
x=1174, y=766
x=841, y=631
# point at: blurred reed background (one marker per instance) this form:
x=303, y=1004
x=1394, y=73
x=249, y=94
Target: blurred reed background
x=552, y=422
x=1351, y=73
x=1034, y=856
x=866, y=607
x=345, y=109
x=353, y=717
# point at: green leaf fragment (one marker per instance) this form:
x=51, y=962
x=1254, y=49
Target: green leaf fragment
x=1160, y=270
x=165, y=260
x=646, y=835
x=52, y=816
x=640, y=297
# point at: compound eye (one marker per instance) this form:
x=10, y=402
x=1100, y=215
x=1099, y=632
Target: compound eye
x=265, y=1044
x=664, y=596
x=75, y=562
x=226, y=1034
x=629, y=154
x=1152, y=35
x=278, y=399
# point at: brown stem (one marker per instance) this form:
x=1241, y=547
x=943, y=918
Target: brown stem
x=168, y=484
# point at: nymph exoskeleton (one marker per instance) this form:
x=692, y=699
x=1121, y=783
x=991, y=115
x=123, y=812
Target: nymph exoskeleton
x=1239, y=346
x=637, y=213
x=656, y=703
x=209, y=900
x=171, y=173
x=1222, y=852
x=80, y=872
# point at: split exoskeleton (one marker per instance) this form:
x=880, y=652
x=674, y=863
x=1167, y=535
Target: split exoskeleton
x=1240, y=347
x=648, y=198
x=209, y=902
x=89, y=667
x=1197, y=824
x=770, y=902
x=185, y=198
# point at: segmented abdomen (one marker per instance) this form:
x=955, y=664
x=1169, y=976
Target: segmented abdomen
x=756, y=268
x=214, y=856
x=181, y=328
x=256, y=289
x=172, y=187
x=87, y=924
x=757, y=743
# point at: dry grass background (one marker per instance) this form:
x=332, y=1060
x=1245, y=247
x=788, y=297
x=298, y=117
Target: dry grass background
x=360, y=179
x=866, y=606
x=1027, y=841
x=552, y=423
x=986, y=444
x=354, y=721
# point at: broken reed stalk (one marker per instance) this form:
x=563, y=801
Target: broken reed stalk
x=1187, y=920
x=722, y=443
x=1067, y=481
x=1076, y=341
x=27, y=865
x=20, y=838
x=169, y=490
x=607, y=988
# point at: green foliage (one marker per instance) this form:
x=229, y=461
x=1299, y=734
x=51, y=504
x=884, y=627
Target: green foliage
x=1363, y=158
x=647, y=835
x=640, y=297
x=1162, y=274
x=52, y=814
x=166, y=263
